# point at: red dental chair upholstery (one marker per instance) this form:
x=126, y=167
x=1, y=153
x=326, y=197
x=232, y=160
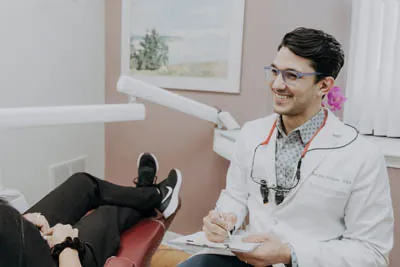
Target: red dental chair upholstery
x=139, y=243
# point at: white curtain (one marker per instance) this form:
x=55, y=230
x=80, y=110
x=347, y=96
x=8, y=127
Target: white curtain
x=373, y=80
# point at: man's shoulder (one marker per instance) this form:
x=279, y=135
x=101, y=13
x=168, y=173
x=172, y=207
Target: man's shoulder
x=351, y=136
x=360, y=146
x=367, y=146
x=255, y=131
x=260, y=123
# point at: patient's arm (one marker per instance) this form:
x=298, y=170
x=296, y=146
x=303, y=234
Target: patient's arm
x=69, y=258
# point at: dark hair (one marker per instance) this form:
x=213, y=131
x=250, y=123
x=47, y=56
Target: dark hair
x=322, y=49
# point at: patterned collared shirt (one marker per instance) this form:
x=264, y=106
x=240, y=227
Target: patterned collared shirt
x=289, y=148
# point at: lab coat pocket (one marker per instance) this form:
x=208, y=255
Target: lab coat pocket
x=326, y=197
x=328, y=190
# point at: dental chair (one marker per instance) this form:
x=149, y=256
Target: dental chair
x=139, y=243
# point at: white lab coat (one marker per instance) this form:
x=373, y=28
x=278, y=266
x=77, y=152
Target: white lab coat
x=340, y=214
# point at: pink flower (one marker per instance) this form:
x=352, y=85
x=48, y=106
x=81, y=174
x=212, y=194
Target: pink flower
x=335, y=98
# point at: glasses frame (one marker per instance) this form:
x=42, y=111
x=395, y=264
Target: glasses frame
x=283, y=73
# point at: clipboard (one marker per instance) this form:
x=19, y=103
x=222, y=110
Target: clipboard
x=200, y=240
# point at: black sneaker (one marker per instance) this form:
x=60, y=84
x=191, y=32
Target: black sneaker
x=169, y=189
x=147, y=165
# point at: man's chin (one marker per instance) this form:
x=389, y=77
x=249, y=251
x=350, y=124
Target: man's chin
x=280, y=110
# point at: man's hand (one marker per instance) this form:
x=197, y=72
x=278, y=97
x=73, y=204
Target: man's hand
x=271, y=251
x=39, y=220
x=216, y=226
x=59, y=233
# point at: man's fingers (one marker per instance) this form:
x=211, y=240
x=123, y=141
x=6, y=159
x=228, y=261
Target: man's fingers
x=225, y=220
x=216, y=226
x=214, y=238
x=230, y=219
x=213, y=215
x=213, y=232
x=215, y=229
x=218, y=230
x=221, y=224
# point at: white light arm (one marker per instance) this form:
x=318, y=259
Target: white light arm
x=47, y=116
x=152, y=93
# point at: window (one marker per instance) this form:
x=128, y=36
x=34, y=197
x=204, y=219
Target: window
x=373, y=80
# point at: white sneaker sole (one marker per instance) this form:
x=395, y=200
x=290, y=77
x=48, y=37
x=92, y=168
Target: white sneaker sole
x=154, y=157
x=173, y=204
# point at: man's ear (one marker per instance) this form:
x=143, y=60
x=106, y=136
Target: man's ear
x=325, y=85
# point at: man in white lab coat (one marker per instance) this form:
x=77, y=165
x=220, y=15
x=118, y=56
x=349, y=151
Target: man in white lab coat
x=316, y=193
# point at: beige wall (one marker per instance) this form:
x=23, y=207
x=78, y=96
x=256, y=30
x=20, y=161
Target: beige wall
x=185, y=142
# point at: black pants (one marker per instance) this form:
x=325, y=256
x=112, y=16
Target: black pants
x=117, y=208
x=212, y=260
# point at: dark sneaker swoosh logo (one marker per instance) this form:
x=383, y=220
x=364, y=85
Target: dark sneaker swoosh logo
x=168, y=194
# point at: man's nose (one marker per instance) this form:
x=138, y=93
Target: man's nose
x=279, y=83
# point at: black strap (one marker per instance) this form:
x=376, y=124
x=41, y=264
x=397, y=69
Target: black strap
x=68, y=243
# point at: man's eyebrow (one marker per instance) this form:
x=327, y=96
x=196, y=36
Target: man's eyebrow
x=273, y=65
x=291, y=69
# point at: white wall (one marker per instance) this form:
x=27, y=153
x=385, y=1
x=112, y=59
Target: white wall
x=52, y=52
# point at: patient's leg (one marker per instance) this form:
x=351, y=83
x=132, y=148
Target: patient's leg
x=20, y=241
x=83, y=192
x=101, y=231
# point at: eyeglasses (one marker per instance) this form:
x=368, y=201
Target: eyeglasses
x=290, y=77
x=280, y=191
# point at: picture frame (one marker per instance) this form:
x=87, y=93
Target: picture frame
x=180, y=44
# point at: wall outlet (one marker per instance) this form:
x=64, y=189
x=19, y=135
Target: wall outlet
x=60, y=172
x=77, y=166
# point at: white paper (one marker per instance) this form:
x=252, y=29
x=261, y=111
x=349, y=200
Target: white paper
x=200, y=240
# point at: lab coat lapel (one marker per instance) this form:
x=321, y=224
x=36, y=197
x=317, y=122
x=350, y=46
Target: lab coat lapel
x=325, y=139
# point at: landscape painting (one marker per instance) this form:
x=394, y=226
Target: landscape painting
x=181, y=44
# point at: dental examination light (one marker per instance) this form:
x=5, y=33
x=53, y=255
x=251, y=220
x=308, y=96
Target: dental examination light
x=59, y=115
x=140, y=89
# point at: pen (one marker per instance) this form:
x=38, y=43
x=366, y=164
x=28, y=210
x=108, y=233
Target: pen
x=222, y=218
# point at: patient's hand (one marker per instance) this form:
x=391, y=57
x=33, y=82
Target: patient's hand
x=59, y=233
x=39, y=220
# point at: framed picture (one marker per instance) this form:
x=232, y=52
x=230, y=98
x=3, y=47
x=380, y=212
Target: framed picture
x=181, y=44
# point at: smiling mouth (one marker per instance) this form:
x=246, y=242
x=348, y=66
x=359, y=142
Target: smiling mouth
x=278, y=96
